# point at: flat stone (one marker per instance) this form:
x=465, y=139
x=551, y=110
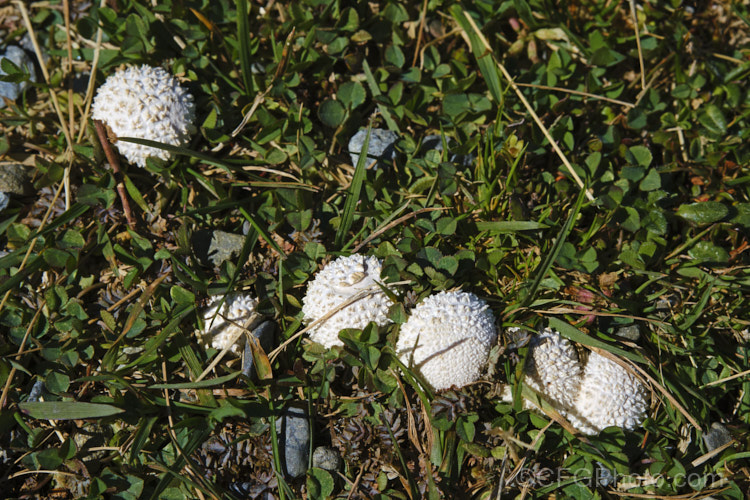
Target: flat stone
x=717, y=437
x=14, y=179
x=294, y=431
x=325, y=457
x=382, y=145
x=11, y=90
x=214, y=247
x=630, y=332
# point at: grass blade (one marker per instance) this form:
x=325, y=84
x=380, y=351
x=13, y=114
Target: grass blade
x=67, y=410
x=484, y=58
x=392, y=125
x=352, y=197
x=528, y=290
x=570, y=332
x=510, y=226
x=198, y=385
x=243, y=36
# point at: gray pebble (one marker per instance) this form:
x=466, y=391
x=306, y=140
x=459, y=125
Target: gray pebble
x=264, y=334
x=435, y=141
x=214, y=247
x=11, y=90
x=4, y=199
x=630, y=332
x=604, y=476
x=325, y=457
x=717, y=437
x=382, y=145
x=36, y=391
x=667, y=302
x=293, y=429
x=14, y=179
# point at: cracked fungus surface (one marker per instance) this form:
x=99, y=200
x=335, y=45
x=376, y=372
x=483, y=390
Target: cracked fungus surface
x=219, y=328
x=339, y=281
x=609, y=396
x=448, y=338
x=146, y=103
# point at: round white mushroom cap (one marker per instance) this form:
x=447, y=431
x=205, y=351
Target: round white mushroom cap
x=448, y=338
x=223, y=327
x=553, y=369
x=146, y=103
x=339, y=281
x=609, y=396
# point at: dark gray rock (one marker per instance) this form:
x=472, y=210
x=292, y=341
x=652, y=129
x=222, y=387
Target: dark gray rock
x=717, y=437
x=325, y=457
x=214, y=247
x=630, y=332
x=435, y=142
x=293, y=429
x=14, y=179
x=11, y=90
x=265, y=335
x=382, y=145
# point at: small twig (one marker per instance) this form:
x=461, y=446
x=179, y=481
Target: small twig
x=53, y=96
x=422, y=17
x=4, y=397
x=396, y=222
x=638, y=44
x=115, y=164
x=33, y=242
x=92, y=78
x=577, y=92
x=726, y=379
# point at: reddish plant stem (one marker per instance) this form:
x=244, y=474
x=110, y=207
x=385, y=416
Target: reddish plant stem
x=115, y=164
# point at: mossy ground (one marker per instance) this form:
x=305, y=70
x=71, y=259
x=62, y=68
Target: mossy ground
x=640, y=222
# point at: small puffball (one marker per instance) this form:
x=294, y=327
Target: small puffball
x=145, y=103
x=448, y=338
x=339, y=281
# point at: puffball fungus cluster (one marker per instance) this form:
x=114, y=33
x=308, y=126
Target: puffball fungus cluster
x=601, y=395
x=146, y=103
x=223, y=321
x=448, y=338
x=341, y=280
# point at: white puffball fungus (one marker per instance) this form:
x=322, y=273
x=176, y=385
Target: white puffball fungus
x=337, y=282
x=146, y=103
x=448, y=338
x=609, y=395
x=553, y=369
x=223, y=327
x=601, y=395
